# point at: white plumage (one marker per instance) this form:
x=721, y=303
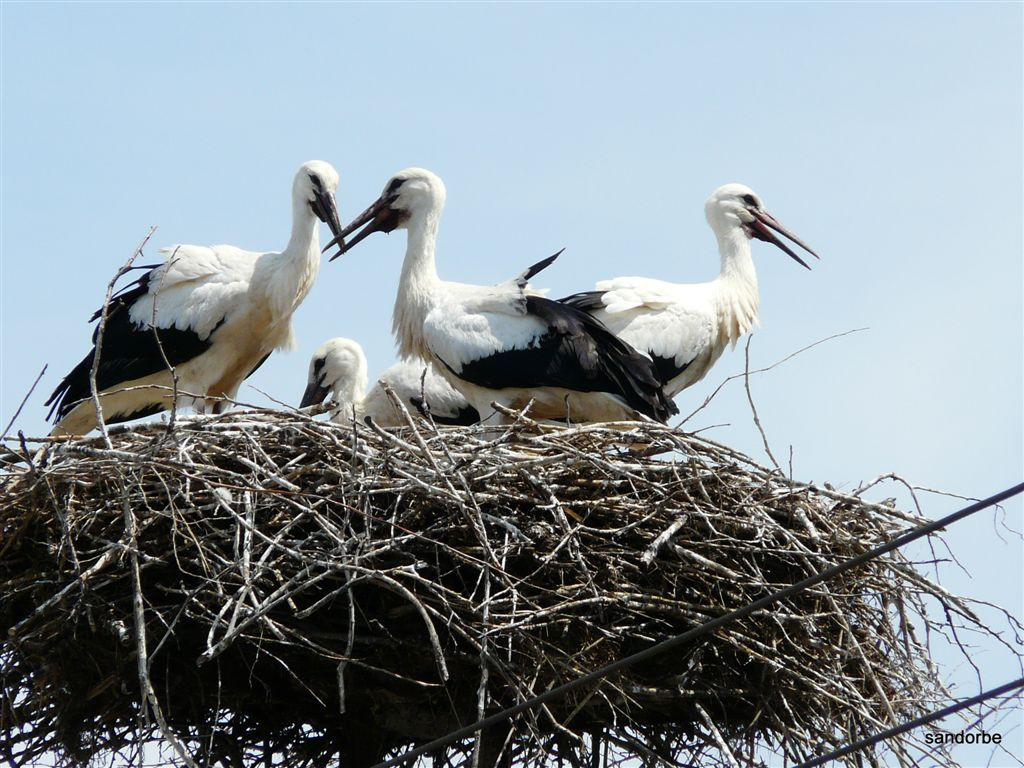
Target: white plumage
x=338, y=370
x=683, y=327
x=504, y=342
x=212, y=313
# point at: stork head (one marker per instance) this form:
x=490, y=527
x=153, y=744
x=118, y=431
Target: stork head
x=409, y=193
x=735, y=206
x=316, y=185
x=338, y=370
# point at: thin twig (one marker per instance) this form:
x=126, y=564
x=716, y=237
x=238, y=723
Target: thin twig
x=24, y=400
x=753, y=408
x=101, y=329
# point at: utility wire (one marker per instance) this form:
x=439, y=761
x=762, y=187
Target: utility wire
x=924, y=720
x=707, y=627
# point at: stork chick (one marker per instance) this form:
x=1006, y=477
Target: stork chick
x=338, y=370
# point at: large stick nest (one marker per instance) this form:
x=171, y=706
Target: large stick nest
x=290, y=590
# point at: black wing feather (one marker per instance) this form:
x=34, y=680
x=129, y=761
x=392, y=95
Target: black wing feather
x=464, y=417
x=667, y=368
x=535, y=269
x=577, y=353
x=588, y=301
x=130, y=352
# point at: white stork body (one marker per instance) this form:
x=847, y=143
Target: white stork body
x=212, y=313
x=684, y=328
x=338, y=369
x=505, y=342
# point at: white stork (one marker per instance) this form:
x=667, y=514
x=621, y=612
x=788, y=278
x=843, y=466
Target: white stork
x=213, y=313
x=338, y=371
x=503, y=343
x=685, y=327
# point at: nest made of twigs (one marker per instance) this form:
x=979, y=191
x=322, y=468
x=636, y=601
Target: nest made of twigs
x=279, y=588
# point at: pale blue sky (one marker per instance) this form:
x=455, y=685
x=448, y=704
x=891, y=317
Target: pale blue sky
x=888, y=136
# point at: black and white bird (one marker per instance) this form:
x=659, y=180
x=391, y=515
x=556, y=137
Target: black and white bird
x=503, y=343
x=685, y=327
x=212, y=313
x=338, y=371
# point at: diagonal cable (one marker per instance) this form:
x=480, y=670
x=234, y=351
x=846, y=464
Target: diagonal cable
x=707, y=627
x=923, y=720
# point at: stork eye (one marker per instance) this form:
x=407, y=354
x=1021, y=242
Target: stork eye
x=393, y=187
x=750, y=200
x=319, y=185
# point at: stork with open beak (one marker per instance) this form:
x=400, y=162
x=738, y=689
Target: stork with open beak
x=685, y=327
x=503, y=343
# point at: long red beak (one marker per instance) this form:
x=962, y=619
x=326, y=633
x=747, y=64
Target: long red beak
x=761, y=228
x=379, y=217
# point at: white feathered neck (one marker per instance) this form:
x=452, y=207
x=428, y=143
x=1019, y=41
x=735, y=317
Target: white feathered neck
x=735, y=289
x=419, y=285
x=284, y=279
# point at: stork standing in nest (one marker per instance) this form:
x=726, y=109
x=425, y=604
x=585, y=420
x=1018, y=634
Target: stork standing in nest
x=503, y=343
x=685, y=327
x=209, y=316
x=338, y=370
